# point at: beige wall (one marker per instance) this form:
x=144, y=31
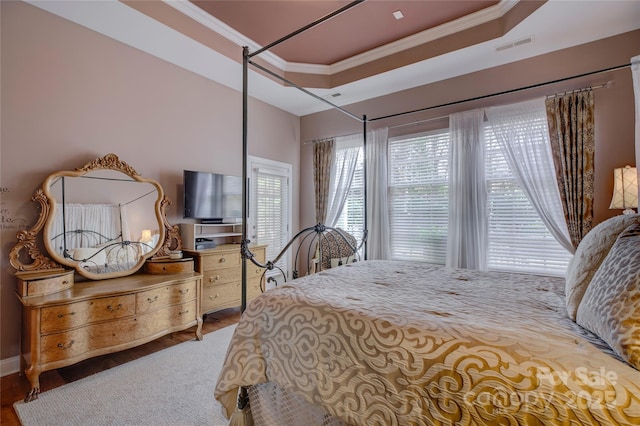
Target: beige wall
x=614, y=115
x=70, y=95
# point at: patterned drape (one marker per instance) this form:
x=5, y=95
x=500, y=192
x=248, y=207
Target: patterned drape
x=571, y=131
x=322, y=157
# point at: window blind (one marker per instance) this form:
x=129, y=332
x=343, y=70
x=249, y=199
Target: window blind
x=418, y=196
x=270, y=214
x=518, y=239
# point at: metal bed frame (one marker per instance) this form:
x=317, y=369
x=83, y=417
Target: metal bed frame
x=317, y=232
x=247, y=60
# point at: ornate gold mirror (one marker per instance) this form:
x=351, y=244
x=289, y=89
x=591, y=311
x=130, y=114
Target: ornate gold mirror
x=103, y=219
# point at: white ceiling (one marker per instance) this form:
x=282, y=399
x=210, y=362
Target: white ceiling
x=556, y=25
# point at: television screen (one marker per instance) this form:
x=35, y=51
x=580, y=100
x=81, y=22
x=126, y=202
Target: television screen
x=212, y=196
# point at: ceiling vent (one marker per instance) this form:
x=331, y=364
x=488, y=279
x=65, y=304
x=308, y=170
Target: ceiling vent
x=514, y=44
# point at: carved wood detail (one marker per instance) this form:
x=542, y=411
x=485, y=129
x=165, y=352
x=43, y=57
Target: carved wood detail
x=27, y=247
x=172, y=240
x=110, y=162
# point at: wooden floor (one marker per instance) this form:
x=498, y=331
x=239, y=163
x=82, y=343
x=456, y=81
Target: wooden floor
x=15, y=386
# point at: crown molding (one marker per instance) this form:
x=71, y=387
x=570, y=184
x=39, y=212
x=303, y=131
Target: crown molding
x=477, y=18
x=480, y=17
x=214, y=24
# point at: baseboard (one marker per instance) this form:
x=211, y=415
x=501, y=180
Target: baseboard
x=9, y=366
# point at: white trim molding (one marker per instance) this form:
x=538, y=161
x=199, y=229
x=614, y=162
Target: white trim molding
x=9, y=366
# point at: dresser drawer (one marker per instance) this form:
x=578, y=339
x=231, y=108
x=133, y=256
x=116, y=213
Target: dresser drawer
x=221, y=296
x=42, y=283
x=127, y=331
x=168, y=266
x=168, y=318
x=170, y=295
x=259, y=253
x=65, y=317
x=253, y=288
x=83, y=340
x=221, y=260
x=221, y=276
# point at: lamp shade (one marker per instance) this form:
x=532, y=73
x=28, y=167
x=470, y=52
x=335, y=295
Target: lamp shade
x=625, y=189
x=146, y=236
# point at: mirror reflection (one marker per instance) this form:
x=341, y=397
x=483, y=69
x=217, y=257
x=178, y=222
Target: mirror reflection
x=102, y=222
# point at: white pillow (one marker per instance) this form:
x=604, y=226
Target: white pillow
x=90, y=255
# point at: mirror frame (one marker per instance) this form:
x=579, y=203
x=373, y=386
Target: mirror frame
x=28, y=248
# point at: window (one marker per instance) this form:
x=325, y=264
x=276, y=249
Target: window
x=518, y=239
x=418, y=196
x=270, y=209
x=352, y=217
x=418, y=208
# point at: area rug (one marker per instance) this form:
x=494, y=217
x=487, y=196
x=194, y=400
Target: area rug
x=171, y=387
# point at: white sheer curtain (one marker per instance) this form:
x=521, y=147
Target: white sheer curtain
x=522, y=132
x=468, y=230
x=635, y=74
x=377, y=205
x=102, y=219
x=342, y=169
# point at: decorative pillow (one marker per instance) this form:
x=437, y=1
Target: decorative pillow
x=337, y=261
x=589, y=255
x=610, y=307
x=334, y=246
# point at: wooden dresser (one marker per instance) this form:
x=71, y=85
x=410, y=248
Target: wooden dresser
x=99, y=317
x=222, y=275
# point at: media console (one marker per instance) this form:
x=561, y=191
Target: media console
x=203, y=236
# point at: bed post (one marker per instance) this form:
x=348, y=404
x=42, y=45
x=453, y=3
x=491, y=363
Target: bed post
x=242, y=415
x=364, y=169
x=245, y=180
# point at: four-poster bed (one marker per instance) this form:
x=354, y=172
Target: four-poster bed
x=392, y=342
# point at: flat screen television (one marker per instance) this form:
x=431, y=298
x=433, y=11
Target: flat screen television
x=212, y=197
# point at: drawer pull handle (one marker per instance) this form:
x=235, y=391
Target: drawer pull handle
x=64, y=315
x=184, y=291
x=65, y=282
x=67, y=346
x=222, y=260
x=116, y=309
x=150, y=300
x=183, y=312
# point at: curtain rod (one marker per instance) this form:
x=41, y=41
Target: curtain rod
x=419, y=121
x=329, y=138
x=505, y=92
x=606, y=85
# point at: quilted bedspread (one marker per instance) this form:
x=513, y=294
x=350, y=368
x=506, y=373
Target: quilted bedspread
x=399, y=343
